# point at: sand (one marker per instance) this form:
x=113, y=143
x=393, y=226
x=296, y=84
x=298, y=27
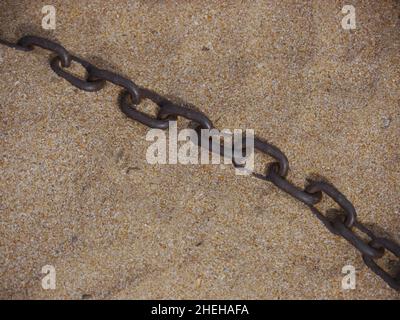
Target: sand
x=78, y=194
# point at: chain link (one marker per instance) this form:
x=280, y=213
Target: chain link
x=14, y=45
x=220, y=147
x=342, y=224
x=29, y=42
x=132, y=88
x=390, y=245
x=316, y=187
x=348, y=234
x=274, y=152
x=283, y=184
x=86, y=85
x=129, y=108
x=170, y=109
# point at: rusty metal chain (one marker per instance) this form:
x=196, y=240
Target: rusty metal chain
x=344, y=223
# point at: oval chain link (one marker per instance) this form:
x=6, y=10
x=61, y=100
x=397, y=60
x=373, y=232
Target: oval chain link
x=86, y=85
x=129, y=108
x=29, y=42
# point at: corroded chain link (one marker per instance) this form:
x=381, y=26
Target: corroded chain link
x=344, y=223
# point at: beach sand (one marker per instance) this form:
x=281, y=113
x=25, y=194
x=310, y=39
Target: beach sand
x=78, y=194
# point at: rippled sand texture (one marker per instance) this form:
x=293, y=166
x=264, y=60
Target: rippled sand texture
x=78, y=194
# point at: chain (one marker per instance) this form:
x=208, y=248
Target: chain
x=343, y=223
